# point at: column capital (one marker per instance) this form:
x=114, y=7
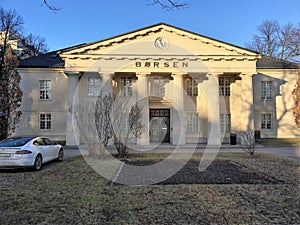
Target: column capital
x=108, y=75
x=73, y=73
x=142, y=74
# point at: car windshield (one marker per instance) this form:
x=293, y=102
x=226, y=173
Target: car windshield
x=14, y=142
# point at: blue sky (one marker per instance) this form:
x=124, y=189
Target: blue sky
x=81, y=21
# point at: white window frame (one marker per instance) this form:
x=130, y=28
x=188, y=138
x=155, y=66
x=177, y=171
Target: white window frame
x=224, y=86
x=45, y=89
x=126, y=85
x=192, y=123
x=266, y=90
x=191, y=87
x=94, y=86
x=266, y=123
x=225, y=123
x=159, y=86
x=46, y=121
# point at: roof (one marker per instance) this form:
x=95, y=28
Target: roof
x=53, y=59
x=273, y=63
x=47, y=60
x=148, y=29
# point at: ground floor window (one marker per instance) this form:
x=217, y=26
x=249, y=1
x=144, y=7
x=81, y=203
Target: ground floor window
x=192, y=123
x=266, y=121
x=94, y=86
x=45, y=121
x=225, y=123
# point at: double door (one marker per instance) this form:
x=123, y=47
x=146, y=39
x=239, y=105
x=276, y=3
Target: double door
x=160, y=125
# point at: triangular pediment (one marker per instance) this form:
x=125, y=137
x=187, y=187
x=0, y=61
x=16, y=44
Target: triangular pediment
x=160, y=40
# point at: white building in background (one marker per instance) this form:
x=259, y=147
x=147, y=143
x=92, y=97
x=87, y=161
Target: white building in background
x=190, y=84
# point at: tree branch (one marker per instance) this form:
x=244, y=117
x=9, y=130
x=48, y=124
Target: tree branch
x=52, y=8
x=169, y=4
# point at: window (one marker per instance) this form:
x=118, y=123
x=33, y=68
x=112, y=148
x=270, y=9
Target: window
x=191, y=87
x=266, y=90
x=126, y=86
x=266, y=121
x=224, y=86
x=94, y=86
x=158, y=86
x=45, y=121
x=45, y=89
x=192, y=123
x=225, y=123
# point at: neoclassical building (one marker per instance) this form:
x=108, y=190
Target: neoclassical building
x=193, y=88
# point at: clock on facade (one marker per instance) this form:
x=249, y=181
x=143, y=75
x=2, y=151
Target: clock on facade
x=161, y=43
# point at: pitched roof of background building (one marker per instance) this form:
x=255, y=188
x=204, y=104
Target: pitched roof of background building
x=273, y=63
x=47, y=60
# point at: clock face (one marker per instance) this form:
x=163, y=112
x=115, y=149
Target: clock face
x=161, y=43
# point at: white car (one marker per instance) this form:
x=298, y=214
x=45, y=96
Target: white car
x=29, y=152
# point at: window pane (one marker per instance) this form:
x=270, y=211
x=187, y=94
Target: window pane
x=266, y=90
x=191, y=87
x=45, y=121
x=94, y=86
x=224, y=86
x=126, y=85
x=192, y=123
x=45, y=89
x=266, y=121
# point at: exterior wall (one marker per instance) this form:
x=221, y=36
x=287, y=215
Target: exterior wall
x=280, y=105
x=185, y=55
x=32, y=106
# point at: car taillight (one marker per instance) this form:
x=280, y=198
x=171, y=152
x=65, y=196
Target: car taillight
x=23, y=152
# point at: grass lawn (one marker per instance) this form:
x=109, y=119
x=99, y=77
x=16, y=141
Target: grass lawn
x=280, y=142
x=73, y=193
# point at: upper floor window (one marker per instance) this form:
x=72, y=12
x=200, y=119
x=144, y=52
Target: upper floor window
x=45, y=89
x=266, y=90
x=45, y=121
x=191, y=87
x=158, y=86
x=94, y=86
x=224, y=86
x=126, y=85
x=266, y=121
x=192, y=123
x=225, y=123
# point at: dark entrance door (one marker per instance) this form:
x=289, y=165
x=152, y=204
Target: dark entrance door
x=159, y=125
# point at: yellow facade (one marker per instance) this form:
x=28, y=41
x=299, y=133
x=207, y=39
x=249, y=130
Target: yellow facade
x=205, y=88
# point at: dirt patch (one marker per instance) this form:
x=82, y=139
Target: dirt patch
x=219, y=172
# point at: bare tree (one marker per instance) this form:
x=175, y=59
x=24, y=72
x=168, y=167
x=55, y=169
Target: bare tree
x=169, y=4
x=296, y=106
x=32, y=45
x=11, y=33
x=274, y=40
x=10, y=94
x=248, y=140
x=164, y=4
x=126, y=123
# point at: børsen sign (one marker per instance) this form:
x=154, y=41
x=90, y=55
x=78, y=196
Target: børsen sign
x=162, y=64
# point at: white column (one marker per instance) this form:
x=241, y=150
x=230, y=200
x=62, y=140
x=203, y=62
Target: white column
x=143, y=101
x=107, y=84
x=72, y=131
x=178, y=123
x=247, y=117
x=211, y=90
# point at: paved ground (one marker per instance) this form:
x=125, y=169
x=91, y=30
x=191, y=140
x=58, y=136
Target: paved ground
x=293, y=152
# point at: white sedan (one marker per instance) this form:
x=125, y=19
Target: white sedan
x=29, y=152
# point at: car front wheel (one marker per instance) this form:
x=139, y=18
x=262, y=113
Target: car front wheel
x=38, y=162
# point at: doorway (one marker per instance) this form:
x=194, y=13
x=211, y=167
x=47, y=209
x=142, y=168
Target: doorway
x=159, y=125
